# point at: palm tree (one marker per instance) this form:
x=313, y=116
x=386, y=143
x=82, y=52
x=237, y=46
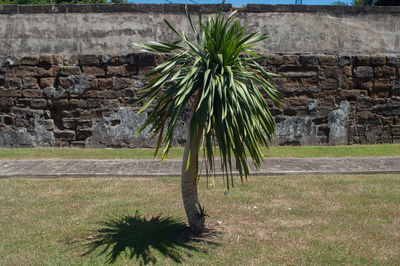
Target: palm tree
x=219, y=76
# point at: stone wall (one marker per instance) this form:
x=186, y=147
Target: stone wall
x=109, y=29
x=87, y=100
x=69, y=74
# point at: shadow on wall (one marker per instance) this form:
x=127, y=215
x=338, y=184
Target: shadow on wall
x=139, y=238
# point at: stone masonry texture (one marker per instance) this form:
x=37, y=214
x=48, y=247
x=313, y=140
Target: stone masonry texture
x=88, y=100
x=110, y=29
x=70, y=74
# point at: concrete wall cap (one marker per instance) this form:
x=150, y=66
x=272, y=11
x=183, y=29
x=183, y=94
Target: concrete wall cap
x=205, y=8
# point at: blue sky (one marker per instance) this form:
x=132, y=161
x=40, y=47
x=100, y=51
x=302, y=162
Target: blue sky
x=243, y=2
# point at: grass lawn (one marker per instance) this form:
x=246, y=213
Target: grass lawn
x=324, y=220
x=274, y=151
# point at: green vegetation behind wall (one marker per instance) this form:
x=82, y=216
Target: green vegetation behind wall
x=53, y=2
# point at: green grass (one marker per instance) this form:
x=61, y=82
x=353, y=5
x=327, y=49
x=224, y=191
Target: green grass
x=313, y=220
x=274, y=151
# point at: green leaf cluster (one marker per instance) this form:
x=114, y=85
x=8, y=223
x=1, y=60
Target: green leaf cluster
x=220, y=76
x=53, y=2
x=376, y=2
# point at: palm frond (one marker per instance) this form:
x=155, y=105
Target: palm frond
x=221, y=67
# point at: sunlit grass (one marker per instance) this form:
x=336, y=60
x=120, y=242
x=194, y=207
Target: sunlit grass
x=320, y=220
x=274, y=151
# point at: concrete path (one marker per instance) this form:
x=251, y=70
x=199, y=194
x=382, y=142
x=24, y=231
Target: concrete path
x=172, y=167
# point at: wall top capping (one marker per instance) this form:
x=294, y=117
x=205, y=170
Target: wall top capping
x=180, y=8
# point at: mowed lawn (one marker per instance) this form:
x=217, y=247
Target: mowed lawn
x=324, y=220
x=139, y=153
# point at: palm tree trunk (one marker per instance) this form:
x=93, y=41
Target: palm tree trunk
x=189, y=181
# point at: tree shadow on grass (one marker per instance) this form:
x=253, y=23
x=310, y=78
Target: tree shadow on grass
x=139, y=237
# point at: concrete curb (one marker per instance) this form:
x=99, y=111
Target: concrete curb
x=84, y=168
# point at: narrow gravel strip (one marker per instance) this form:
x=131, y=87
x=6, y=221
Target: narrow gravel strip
x=172, y=167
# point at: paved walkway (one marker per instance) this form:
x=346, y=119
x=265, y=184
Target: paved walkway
x=172, y=167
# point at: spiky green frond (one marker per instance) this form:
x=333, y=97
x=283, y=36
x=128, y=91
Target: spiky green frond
x=222, y=69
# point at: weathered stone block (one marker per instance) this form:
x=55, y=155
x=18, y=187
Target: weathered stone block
x=143, y=59
x=60, y=103
x=70, y=60
x=367, y=102
x=298, y=101
x=312, y=105
x=29, y=82
x=105, y=130
x=13, y=82
x=81, y=83
x=296, y=131
x=8, y=120
x=364, y=72
x=395, y=129
x=32, y=93
x=125, y=70
x=6, y=102
x=385, y=72
x=78, y=144
x=46, y=82
x=89, y=114
x=48, y=124
x=395, y=91
x=387, y=110
x=66, y=135
x=328, y=60
x=96, y=94
x=329, y=84
x=110, y=59
x=275, y=60
x=123, y=59
x=393, y=60
x=64, y=82
x=87, y=60
x=142, y=70
x=345, y=60
x=122, y=83
x=361, y=84
x=309, y=61
x=352, y=95
x=50, y=60
x=93, y=71
x=381, y=88
x=94, y=103
x=32, y=71
x=113, y=103
x=331, y=72
x=346, y=71
x=84, y=124
x=21, y=122
x=292, y=74
x=111, y=94
x=290, y=111
x=106, y=83
x=68, y=70
x=104, y=59
x=378, y=60
x=54, y=93
x=368, y=118
x=10, y=93
x=69, y=123
x=338, y=123
x=292, y=60
x=361, y=60
x=77, y=103
x=83, y=134
x=30, y=60
x=33, y=103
